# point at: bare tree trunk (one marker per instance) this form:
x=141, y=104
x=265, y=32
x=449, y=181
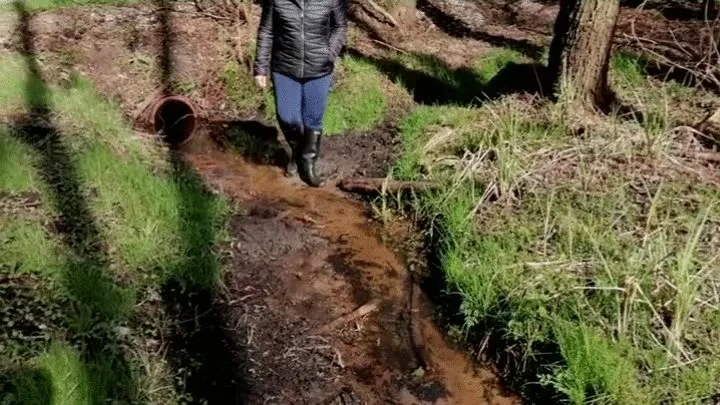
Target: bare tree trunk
x=580, y=51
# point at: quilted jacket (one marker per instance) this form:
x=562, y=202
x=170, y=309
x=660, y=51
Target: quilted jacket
x=300, y=38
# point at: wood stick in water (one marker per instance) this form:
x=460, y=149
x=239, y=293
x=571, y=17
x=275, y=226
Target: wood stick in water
x=357, y=313
x=371, y=185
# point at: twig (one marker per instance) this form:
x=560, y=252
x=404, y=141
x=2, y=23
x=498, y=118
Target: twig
x=339, y=358
x=377, y=184
x=704, y=68
x=209, y=15
x=377, y=41
x=357, y=313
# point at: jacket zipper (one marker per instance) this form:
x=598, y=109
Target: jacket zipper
x=302, y=39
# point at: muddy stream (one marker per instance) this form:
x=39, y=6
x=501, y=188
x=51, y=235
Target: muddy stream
x=302, y=259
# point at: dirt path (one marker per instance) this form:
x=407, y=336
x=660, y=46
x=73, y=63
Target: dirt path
x=303, y=258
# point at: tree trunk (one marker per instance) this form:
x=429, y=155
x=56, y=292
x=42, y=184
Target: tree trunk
x=580, y=51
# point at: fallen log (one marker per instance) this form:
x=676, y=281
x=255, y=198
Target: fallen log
x=370, y=185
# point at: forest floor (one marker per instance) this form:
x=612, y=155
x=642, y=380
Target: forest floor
x=140, y=274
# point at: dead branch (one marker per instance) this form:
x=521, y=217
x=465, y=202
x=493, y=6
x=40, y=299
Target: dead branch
x=702, y=61
x=371, y=185
x=385, y=44
x=710, y=157
x=384, y=13
x=357, y=313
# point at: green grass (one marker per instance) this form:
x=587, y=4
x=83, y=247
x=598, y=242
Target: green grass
x=597, y=369
x=60, y=376
x=78, y=110
x=358, y=102
x=592, y=261
x=570, y=267
x=18, y=173
x=493, y=62
x=12, y=90
x=436, y=82
x=654, y=105
x=150, y=215
x=416, y=132
x=27, y=248
x=628, y=69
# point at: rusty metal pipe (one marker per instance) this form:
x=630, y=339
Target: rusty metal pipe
x=175, y=118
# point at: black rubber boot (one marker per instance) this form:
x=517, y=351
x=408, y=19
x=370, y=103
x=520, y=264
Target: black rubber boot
x=308, y=158
x=292, y=136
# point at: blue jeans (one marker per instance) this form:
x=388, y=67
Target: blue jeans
x=301, y=103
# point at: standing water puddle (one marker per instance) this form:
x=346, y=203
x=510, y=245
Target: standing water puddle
x=303, y=258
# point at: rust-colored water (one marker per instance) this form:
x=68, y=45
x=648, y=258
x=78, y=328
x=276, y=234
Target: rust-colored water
x=404, y=326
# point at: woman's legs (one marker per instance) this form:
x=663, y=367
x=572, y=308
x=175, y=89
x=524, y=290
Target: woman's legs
x=288, y=105
x=315, y=94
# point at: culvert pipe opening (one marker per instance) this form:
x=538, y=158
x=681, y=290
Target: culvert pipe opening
x=175, y=119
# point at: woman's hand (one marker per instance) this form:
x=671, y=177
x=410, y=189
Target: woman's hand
x=261, y=82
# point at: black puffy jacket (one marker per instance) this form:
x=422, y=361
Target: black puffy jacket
x=300, y=38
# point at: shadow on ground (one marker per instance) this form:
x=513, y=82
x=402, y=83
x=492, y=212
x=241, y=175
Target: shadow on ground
x=33, y=384
x=209, y=370
x=439, y=83
x=256, y=141
x=455, y=27
x=203, y=347
x=96, y=301
x=203, y=350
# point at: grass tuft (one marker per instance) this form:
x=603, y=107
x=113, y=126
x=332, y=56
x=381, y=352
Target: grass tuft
x=18, y=174
x=597, y=371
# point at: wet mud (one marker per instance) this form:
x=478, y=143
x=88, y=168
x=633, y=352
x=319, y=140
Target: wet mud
x=302, y=258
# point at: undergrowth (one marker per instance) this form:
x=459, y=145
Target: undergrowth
x=590, y=262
